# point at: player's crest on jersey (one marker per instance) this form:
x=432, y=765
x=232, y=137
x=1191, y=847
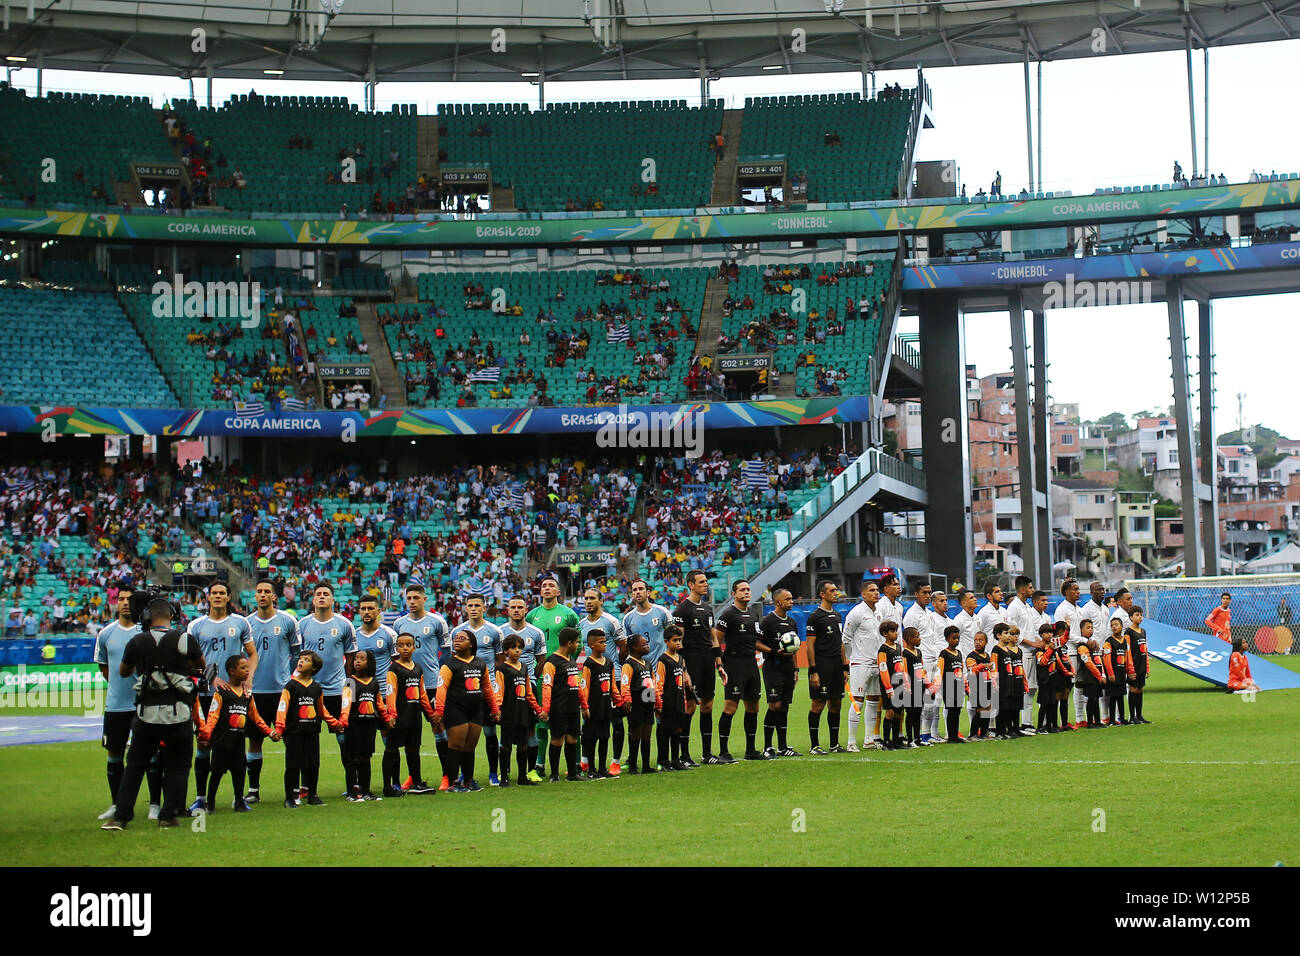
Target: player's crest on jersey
x=557, y=619
x=379, y=643
x=334, y=632
x=426, y=629
x=546, y=679
x=276, y=630
x=230, y=631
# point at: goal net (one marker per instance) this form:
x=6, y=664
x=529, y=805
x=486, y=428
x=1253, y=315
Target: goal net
x=1265, y=607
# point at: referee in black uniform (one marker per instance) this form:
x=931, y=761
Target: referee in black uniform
x=737, y=628
x=701, y=652
x=827, y=665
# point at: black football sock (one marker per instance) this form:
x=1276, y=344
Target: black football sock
x=441, y=744
x=556, y=747
x=675, y=747
x=814, y=726
x=451, y=764
x=645, y=754
x=706, y=733
x=953, y=722
x=661, y=738
x=350, y=777
x=724, y=731
x=533, y=757
x=1063, y=707
x=202, y=767
x=290, y=784
x=310, y=779
x=413, y=762
x=751, y=730
x=115, y=769
x=214, y=782
x=833, y=722
x=543, y=741
x=618, y=740
x=363, y=775
x=493, y=749
x=390, y=766
x=602, y=746
x=571, y=759
x=467, y=766
x=589, y=752
x=782, y=724
x=237, y=781
x=255, y=770
x=684, y=737
x=769, y=727
x=523, y=761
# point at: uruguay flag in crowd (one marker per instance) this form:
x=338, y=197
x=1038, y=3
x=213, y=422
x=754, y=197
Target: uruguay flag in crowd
x=250, y=409
x=294, y=405
x=618, y=333
x=489, y=373
x=755, y=474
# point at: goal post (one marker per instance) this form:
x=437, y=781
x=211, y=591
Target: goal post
x=1265, y=607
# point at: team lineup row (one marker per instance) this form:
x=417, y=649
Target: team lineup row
x=551, y=675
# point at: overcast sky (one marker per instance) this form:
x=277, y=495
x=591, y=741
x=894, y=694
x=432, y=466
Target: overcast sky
x=1107, y=120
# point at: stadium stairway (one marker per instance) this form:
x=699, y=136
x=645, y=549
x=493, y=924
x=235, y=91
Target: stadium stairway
x=426, y=146
x=830, y=509
x=238, y=579
x=381, y=357
x=706, y=339
x=724, y=191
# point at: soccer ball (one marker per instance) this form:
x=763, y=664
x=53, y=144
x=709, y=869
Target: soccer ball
x=789, y=643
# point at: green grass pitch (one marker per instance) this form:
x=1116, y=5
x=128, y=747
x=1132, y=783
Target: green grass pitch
x=1210, y=782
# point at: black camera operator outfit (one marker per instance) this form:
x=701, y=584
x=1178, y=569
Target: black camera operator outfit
x=166, y=662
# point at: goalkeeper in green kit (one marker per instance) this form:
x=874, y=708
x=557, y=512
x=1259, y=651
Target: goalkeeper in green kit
x=550, y=617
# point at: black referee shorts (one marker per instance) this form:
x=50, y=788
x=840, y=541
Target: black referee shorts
x=742, y=678
x=830, y=678
x=704, y=676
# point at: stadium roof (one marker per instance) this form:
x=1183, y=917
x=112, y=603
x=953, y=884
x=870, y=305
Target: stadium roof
x=403, y=40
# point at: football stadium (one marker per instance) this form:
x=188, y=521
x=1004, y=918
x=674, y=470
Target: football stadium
x=434, y=422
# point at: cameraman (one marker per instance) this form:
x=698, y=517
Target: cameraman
x=166, y=661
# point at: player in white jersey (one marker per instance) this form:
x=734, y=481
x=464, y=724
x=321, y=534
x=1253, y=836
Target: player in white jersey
x=890, y=608
x=862, y=637
x=918, y=616
x=1095, y=609
x=1069, y=612
x=939, y=622
x=992, y=612
x=966, y=621
x=1020, y=613
x=1123, y=607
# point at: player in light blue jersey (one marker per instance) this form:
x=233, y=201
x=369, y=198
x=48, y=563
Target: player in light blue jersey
x=488, y=650
x=598, y=619
x=333, y=637
x=647, y=619
x=534, y=649
x=119, y=707
x=220, y=635
x=376, y=637
x=432, y=637
x=275, y=635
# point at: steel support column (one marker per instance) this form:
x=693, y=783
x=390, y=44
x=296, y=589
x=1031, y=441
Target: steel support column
x=945, y=434
x=1043, y=438
x=1208, y=485
x=1191, y=99
x=1024, y=438
x=1183, y=426
x=1029, y=125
